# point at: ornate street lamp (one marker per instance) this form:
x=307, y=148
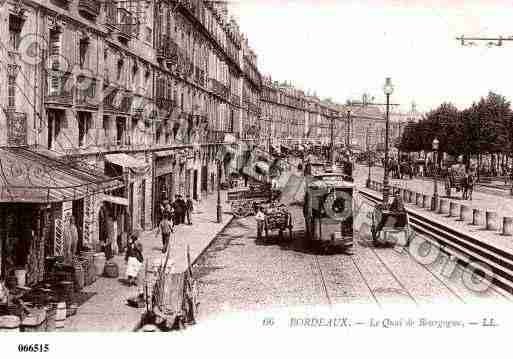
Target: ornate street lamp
x=348, y=141
x=388, y=89
x=368, y=158
x=435, y=146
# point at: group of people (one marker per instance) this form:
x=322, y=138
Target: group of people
x=173, y=214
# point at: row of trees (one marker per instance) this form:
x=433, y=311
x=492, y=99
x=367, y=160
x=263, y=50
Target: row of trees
x=486, y=127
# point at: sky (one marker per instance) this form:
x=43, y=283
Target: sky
x=344, y=48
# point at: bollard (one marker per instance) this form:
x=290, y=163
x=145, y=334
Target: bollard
x=477, y=217
x=492, y=221
x=454, y=209
x=465, y=213
x=418, y=199
x=507, y=226
x=405, y=195
x=411, y=196
x=443, y=207
x=425, y=201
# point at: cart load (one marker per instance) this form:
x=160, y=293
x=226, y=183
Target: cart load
x=245, y=200
x=277, y=218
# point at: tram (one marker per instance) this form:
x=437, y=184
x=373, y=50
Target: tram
x=328, y=207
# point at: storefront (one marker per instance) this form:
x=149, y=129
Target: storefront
x=136, y=172
x=34, y=217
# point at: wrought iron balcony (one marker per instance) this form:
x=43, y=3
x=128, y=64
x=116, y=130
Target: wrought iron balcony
x=165, y=103
x=215, y=136
x=59, y=88
x=90, y=7
x=118, y=100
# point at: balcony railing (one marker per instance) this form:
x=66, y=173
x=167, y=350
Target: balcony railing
x=220, y=89
x=215, y=136
x=90, y=7
x=86, y=91
x=118, y=100
x=59, y=87
x=165, y=104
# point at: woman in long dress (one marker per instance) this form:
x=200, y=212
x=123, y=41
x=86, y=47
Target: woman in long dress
x=134, y=259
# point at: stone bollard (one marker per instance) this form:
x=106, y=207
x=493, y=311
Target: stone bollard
x=465, y=213
x=443, y=207
x=418, y=199
x=477, y=217
x=434, y=204
x=425, y=201
x=507, y=226
x=454, y=209
x=492, y=221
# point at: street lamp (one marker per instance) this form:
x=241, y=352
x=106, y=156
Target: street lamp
x=388, y=89
x=368, y=158
x=348, y=141
x=435, y=145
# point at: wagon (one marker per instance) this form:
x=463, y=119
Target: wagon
x=278, y=219
x=455, y=178
x=393, y=222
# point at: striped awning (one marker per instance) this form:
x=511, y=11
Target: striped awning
x=29, y=176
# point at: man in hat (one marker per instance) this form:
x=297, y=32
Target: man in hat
x=179, y=209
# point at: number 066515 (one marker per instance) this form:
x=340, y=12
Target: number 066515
x=33, y=348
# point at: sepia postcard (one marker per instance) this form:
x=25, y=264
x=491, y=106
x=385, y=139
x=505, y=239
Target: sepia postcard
x=257, y=177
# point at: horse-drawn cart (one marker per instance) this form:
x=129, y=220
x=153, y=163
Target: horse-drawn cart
x=389, y=221
x=457, y=178
x=244, y=201
x=277, y=218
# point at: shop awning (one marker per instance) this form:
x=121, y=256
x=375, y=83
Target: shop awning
x=113, y=199
x=124, y=160
x=29, y=176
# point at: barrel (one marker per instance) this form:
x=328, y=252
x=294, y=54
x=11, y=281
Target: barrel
x=99, y=263
x=20, y=276
x=60, y=315
x=111, y=270
x=66, y=291
x=79, y=275
x=9, y=323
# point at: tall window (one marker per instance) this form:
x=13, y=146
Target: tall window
x=82, y=51
x=11, y=91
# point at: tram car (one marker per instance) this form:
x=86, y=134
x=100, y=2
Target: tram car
x=328, y=209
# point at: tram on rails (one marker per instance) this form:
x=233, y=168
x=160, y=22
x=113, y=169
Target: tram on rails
x=328, y=207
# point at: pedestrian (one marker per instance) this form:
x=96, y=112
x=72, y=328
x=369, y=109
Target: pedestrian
x=180, y=210
x=260, y=219
x=70, y=234
x=134, y=259
x=165, y=228
x=189, y=207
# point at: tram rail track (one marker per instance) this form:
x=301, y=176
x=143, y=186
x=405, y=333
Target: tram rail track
x=483, y=259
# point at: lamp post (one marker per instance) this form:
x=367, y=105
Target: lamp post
x=435, y=145
x=388, y=89
x=368, y=157
x=348, y=140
